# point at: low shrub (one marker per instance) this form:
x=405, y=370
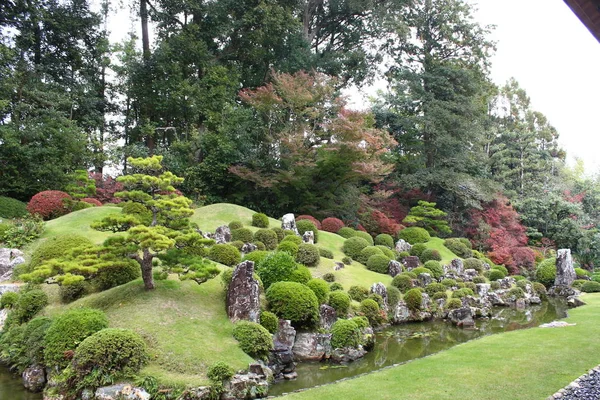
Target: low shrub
x=294, y=301
x=56, y=247
x=297, y=240
x=449, y=282
x=301, y=275
x=365, y=236
x=340, y=301
x=21, y=231
x=367, y=252
x=545, y=273
x=233, y=225
x=539, y=289
x=34, y=335
x=582, y=273
x=590, y=287
x=108, y=356
x=473, y=263
x=439, y=295
x=496, y=274
x=413, y=299
x=523, y=283
x=414, y=235
x=471, y=285
x=268, y=237
x=402, y=282
x=335, y=287
x=394, y=296
x=433, y=288
x=389, y=253
x=276, y=267
x=308, y=254
x=347, y=260
x=29, y=304
x=479, y=279
x=346, y=232
x=49, y=204
x=260, y=220
x=288, y=247
x=74, y=291
x=253, y=338
x=257, y=256
x=460, y=293
x=402, y=255
x=358, y=293
x=9, y=300
x=421, y=270
x=430, y=254
x=238, y=244
x=353, y=246
x=225, y=254
x=242, y=234
x=437, y=271
x=501, y=268
x=220, y=372
x=377, y=298
x=453, y=304
x=385, y=240
x=518, y=278
x=12, y=208
x=310, y=218
x=68, y=330
x=160, y=275
x=516, y=292
x=279, y=232
x=418, y=249
x=305, y=226
x=370, y=309
x=326, y=253
x=269, y=321
x=320, y=288
x=378, y=263
x=495, y=285
x=91, y=201
x=458, y=247
x=345, y=333
x=116, y=274
x=329, y=277
x=332, y=225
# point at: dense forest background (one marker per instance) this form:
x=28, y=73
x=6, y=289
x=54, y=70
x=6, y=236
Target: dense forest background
x=243, y=100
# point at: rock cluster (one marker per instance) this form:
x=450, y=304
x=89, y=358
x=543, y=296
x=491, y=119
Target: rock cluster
x=9, y=259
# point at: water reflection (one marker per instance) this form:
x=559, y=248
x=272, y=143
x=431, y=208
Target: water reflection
x=12, y=388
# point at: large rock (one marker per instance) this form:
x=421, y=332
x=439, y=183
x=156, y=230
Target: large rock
x=494, y=299
x=281, y=358
x=222, y=234
x=411, y=262
x=424, y=279
x=34, y=378
x=507, y=283
x=9, y=259
x=308, y=237
x=288, y=221
x=565, y=272
x=338, y=265
x=462, y=317
x=469, y=274
x=312, y=346
x=248, y=248
x=328, y=316
x=403, y=245
x=199, y=393
x=563, y=291
x=121, y=391
x=457, y=265
x=243, y=294
x=574, y=301
x=9, y=287
x=247, y=386
x=401, y=313
x=482, y=289
x=394, y=268
x=347, y=354
x=285, y=336
x=379, y=288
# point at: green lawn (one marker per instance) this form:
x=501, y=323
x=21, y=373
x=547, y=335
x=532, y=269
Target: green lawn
x=525, y=364
x=211, y=217
x=79, y=222
x=438, y=244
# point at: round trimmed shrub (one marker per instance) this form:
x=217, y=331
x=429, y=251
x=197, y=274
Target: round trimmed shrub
x=260, y=220
x=308, y=254
x=116, y=274
x=294, y=301
x=33, y=335
x=12, y=208
x=242, y=234
x=590, y=287
x=268, y=237
x=49, y=204
x=257, y=256
x=9, y=300
x=320, y=288
x=389, y=253
x=301, y=275
x=347, y=260
x=434, y=288
x=68, y=330
x=73, y=291
x=378, y=263
x=458, y=247
x=329, y=277
x=233, y=225
x=344, y=333
x=479, y=279
x=297, y=240
x=385, y=240
x=495, y=285
x=269, y=321
x=471, y=285
x=93, y=202
x=402, y=282
x=367, y=252
x=449, y=282
x=279, y=232
x=253, y=338
x=414, y=235
x=326, y=253
x=439, y=295
x=418, y=249
x=29, y=304
x=109, y=355
x=332, y=225
x=346, y=232
x=437, y=271
x=238, y=244
x=413, y=299
x=516, y=292
x=353, y=246
x=360, y=321
x=501, y=268
x=260, y=246
x=358, y=293
x=288, y=247
x=310, y=218
x=56, y=247
x=402, y=255
x=496, y=274
x=540, y=290
x=473, y=263
x=335, y=287
x=276, y=267
x=453, y=304
x=225, y=254
x=582, y=273
x=394, y=296
x=430, y=254
x=370, y=309
x=305, y=225
x=522, y=283
x=340, y=301
x=219, y=372
x=518, y=278
x=460, y=293
x=365, y=236
x=421, y=270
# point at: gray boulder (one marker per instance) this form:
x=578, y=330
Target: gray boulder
x=424, y=279
x=248, y=248
x=246, y=386
x=243, y=294
x=312, y=346
x=281, y=358
x=469, y=274
x=403, y=245
x=9, y=259
x=563, y=291
x=457, y=265
x=394, y=268
x=411, y=262
x=462, y=317
x=338, y=265
x=222, y=234
x=285, y=336
x=121, y=391
x=327, y=315
x=34, y=378
x=565, y=272
x=379, y=288
x=288, y=221
x=507, y=283
x=482, y=289
x=308, y=237
x=574, y=301
x=347, y=354
x=401, y=313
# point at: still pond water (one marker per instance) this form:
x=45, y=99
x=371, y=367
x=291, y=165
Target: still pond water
x=394, y=345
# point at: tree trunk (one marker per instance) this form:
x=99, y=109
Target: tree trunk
x=147, y=270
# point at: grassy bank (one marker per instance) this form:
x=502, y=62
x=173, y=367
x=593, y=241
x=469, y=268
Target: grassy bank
x=527, y=364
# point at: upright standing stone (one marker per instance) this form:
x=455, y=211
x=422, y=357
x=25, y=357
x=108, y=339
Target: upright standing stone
x=9, y=259
x=457, y=265
x=411, y=262
x=288, y=221
x=565, y=273
x=223, y=234
x=403, y=245
x=379, y=288
x=308, y=237
x=328, y=316
x=243, y=294
x=394, y=268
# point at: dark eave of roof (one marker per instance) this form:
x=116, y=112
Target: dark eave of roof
x=588, y=11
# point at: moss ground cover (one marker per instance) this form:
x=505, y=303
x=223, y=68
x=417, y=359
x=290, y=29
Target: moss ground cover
x=525, y=364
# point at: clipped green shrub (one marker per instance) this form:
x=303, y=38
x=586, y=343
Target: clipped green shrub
x=320, y=288
x=260, y=246
x=294, y=301
x=219, y=372
x=414, y=235
x=449, y=282
x=276, y=267
x=74, y=291
x=29, y=304
x=345, y=333
x=353, y=246
x=495, y=285
x=413, y=299
x=109, y=355
x=358, y=293
x=460, y=293
x=518, y=278
x=367, y=252
x=378, y=263
x=325, y=253
x=385, y=240
x=233, y=225
x=9, y=299
x=335, y=287
x=434, y=287
x=288, y=247
x=458, y=247
x=297, y=240
x=301, y=275
x=473, y=263
x=540, y=290
x=34, y=336
x=329, y=277
x=590, y=287
x=305, y=225
x=453, y=304
x=421, y=270
x=269, y=321
x=238, y=244
x=439, y=295
x=471, y=285
x=370, y=309
x=347, y=260
x=430, y=254
x=391, y=254
x=346, y=232
x=417, y=250
x=522, y=283
x=402, y=282
x=12, y=208
x=243, y=235
x=365, y=236
x=516, y=292
x=116, y=274
x=360, y=321
x=340, y=301
x=279, y=232
x=582, y=273
x=377, y=298
x=257, y=256
x=253, y=338
x=437, y=271
x=268, y=237
x=260, y=220
x=56, y=247
x=308, y=254
x=501, y=268
x=479, y=279
x=496, y=274
x=68, y=330
x=225, y=254
x=394, y=296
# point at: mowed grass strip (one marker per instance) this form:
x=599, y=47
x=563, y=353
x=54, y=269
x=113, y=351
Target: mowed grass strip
x=527, y=364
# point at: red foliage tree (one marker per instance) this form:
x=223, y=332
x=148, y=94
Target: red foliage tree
x=106, y=187
x=49, y=204
x=332, y=224
x=376, y=222
x=311, y=219
x=92, y=201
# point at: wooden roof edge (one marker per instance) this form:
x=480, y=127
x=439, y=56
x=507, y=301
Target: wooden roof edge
x=588, y=12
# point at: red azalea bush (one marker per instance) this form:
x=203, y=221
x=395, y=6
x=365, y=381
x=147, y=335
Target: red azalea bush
x=106, y=187
x=91, y=201
x=49, y=204
x=332, y=224
x=311, y=219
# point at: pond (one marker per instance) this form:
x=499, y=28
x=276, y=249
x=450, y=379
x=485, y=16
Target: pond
x=402, y=343
x=12, y=388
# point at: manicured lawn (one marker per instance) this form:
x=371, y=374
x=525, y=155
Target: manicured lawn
x=79, y=222
x=526, y=364
x=438, y=244
x=211, y=217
